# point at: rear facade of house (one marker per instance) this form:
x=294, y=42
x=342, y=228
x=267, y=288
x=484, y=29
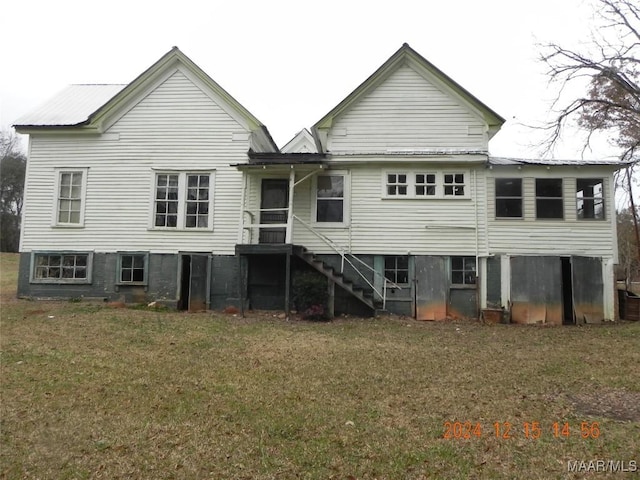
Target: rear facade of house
x=169, y=190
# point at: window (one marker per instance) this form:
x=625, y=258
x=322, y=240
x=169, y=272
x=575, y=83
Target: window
x=454, y=184
x=197, y=201
x=330, y=198
x=549, y=202
x=590, y=198
x=166, y=210
x=422, y=185
x=508, y=198
x=425, y=184
x=61, y=267
x=397, y=184
x=132, y=268
x=396, y=269
x=463, y=270
x=70, y=193
x=182, y=201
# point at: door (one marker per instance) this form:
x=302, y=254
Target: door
x=587, y=287
x=431, y=288
x=536, y=290
x=274, y=202
x=194, y=283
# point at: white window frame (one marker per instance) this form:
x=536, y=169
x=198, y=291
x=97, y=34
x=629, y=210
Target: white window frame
x=83, y=281
x=145, y=280
x=412, y=184
x=594, y=198
x=464, y=271
x=454, y=184
x=346, y=204
x=56, y=197
x=181, y=224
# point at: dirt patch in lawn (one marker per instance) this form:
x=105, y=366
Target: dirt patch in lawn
x=614, y=404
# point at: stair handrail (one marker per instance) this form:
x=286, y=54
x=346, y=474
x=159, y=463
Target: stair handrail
x=343, y=253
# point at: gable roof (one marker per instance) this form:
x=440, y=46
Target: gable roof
x=302, y=142
x=94, y=106
x=404, y=55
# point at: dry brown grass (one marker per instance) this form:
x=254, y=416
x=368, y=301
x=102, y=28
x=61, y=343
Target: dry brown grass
x=94, y=392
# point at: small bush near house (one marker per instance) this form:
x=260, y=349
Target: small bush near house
x=310, y=295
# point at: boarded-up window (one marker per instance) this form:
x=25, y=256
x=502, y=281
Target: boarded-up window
x=590, y=198
x=549, y=203
x=508, y=198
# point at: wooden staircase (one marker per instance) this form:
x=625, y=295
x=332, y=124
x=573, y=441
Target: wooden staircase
x=337, y=277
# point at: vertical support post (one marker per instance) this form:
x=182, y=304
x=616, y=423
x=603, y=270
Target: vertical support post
x=292, y=182
x=331, y=301
x=242, y=207
x=287, y=285
x=241, y=284
x=384, y=294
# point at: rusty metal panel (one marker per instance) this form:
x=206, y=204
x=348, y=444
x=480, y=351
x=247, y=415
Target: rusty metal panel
x=536, y=290
x=586, y=278
x=431, y=288
x=463, y=303
x=198, y=283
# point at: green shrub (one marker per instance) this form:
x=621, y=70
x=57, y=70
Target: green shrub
x=310, y=295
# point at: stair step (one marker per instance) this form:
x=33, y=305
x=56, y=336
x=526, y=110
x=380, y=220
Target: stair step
x=338, y=277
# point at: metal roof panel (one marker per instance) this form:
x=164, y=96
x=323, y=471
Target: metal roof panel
x=72, y=106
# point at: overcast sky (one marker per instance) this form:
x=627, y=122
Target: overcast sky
x=290, y=62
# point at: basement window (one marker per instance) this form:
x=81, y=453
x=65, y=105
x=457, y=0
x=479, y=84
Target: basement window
x=61, y=267
x=463, y=270
x=549, y=201
x=396, y=269
x=508, y=198
x=132, y=268
x=590, y=198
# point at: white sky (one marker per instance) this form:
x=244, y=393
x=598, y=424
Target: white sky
x=290, y=62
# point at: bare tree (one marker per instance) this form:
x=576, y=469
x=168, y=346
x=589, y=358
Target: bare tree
x=12, y=171
x=610, y=63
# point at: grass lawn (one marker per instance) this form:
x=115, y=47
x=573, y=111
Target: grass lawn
x=90, y=391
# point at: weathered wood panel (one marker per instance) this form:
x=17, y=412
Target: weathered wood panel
x=587, y=289
x=431, y=288
x=536, y=290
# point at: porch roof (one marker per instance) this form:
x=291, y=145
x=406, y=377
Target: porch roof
x=264, y=160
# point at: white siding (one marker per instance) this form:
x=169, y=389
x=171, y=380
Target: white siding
x=391, y=226
x=176, y=126
x=569, y=236
x=407, y=111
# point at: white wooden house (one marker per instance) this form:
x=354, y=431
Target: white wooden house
x=168, y=189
